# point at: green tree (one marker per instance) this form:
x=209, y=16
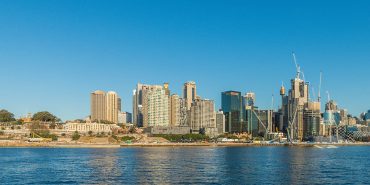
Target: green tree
x=45, y=116
x=90, y=133
x=76, y=136
x=6, y=116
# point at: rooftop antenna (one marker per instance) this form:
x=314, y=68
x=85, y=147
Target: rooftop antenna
x=296, y=65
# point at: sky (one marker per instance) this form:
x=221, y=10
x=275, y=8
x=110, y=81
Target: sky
x=54, y=53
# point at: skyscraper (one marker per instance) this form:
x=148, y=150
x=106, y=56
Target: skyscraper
x=190, y=93
x=251, y=111
x=220, y=122
x=178, y=111
x=137, y=106
x=97, y=105
x=249, y=99
x=112, y=107
x=233, y=108
x=312, y=118
x=119, y=104
x=104, y=106
x=155, y=106
x=202, y=115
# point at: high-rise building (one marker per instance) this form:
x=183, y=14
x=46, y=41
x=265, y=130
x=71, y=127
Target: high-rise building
x=155, y=106
x=98, y=106
x=233, y=108
x=112, y=106
x=312, y=119
x=331, y=105
x=293, y=106
x=344, y=116
x=190, y=93
x=104, y=106
x=119, y=104
x=249, y=99
x=137, y=104
x=202, y=115
x=265, y=121
x=252, y=120
x=220, y=122
x=178, y=111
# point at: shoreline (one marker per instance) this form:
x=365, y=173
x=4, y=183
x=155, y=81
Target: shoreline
x=184, y=145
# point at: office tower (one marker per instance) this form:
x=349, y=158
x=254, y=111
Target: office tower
x=264, y=121
x=220, y=122
x=175, y=110
x=155, y=106
x=202, y=115
x=293, y=106
x=104, y=106
x=233, y=108
x=312, y=119
x=344, y=116
x=178, y=111
x=119, y=104
x=249, y=99
x=168, y=94
x=137, y=114
x=112, y=107
x=190, y=93
x=331, y=105
x=252, y=120
x=283, y=118
x=297, y=98
x=98, y=106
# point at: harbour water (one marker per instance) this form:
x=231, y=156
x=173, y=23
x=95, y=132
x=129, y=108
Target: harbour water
x=186, y=165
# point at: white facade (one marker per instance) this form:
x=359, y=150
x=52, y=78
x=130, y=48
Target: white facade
x=155, y=107
x=86, y=127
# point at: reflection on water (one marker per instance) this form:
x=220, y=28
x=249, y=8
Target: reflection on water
x=105, y=166
x=194, y=165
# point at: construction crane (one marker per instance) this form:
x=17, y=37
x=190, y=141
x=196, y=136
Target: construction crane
x=297, y=66
x=291, y=126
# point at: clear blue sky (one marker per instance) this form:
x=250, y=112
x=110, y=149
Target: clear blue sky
x=54, y=53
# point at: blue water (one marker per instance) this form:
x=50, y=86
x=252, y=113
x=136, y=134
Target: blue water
x=198, y=165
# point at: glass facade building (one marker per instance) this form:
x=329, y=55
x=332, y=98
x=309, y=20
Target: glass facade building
x=233, y=107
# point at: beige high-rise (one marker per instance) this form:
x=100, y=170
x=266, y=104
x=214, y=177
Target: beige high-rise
x=112, y=106
x=104, y=106
x=98, y=110
x=190, y=93
x=202, y=115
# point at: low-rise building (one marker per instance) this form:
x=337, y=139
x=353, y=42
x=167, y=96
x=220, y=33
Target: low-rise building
x=86, y=127
x=168, y=130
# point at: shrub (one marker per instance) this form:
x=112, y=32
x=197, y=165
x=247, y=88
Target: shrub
x=76, y=136
x=127, y=138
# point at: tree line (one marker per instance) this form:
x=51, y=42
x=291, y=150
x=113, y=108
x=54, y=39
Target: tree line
x=43, y=116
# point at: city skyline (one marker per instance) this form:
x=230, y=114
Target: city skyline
x=51, y=62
